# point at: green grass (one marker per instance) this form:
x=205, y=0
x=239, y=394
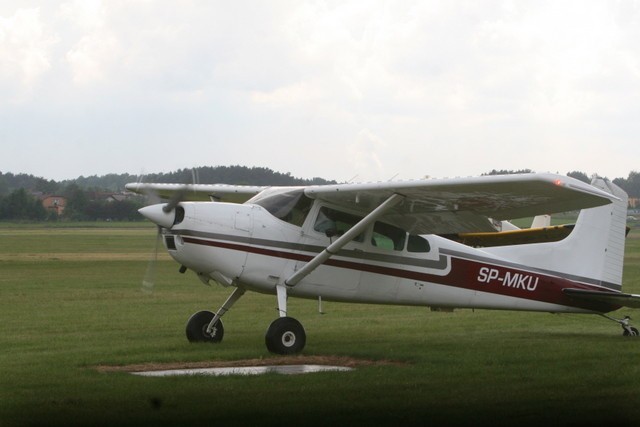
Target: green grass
x=75, y=224
x=79, y=304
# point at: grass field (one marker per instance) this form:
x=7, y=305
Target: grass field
x=71, y=300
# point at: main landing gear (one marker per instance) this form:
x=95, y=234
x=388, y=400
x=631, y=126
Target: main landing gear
x=285, y=335
x=627, y=329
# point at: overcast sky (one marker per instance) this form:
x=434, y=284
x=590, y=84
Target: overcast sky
x=365, y=89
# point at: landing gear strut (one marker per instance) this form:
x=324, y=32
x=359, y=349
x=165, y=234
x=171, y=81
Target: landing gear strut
x=627, y=329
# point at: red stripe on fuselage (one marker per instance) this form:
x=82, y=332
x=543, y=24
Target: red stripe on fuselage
x=465, y=274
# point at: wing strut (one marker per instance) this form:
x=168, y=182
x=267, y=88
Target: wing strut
x=351, y=234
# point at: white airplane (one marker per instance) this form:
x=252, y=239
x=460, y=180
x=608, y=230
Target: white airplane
x=398, y=243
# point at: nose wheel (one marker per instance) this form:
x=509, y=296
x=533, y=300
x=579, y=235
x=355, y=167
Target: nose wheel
x=285, y=336
x=198, y=329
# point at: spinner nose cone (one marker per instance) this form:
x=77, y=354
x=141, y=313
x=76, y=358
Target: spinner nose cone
x=157, y=215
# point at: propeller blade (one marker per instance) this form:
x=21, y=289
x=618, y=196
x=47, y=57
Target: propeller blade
x=149, y=280
x=180, y=195
x=151, y=196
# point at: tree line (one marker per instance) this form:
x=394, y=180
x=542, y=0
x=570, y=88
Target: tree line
x=81, y=205
x=86, y=202
x=235, y=175
x=85, y=199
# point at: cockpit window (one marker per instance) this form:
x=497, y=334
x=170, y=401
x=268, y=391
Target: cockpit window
x=336, y=223
x=291, y=206
x=387, y=236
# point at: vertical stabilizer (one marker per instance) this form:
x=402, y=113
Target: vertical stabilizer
x=594, y=251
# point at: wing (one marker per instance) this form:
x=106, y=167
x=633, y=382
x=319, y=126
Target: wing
x=465, y=204
x=198, y=192
x=620, y=299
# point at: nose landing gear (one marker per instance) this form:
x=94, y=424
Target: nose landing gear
x=198, y=328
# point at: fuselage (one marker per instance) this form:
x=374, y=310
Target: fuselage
x=259, y=244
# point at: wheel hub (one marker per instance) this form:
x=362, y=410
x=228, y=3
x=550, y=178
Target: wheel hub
x=288, y=339
x=206, y=333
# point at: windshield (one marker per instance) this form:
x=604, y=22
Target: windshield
x=291, y=206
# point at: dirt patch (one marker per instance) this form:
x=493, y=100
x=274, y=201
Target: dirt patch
x=349, y=362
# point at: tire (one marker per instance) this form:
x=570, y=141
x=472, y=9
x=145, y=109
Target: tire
x=634, y=332
x=285, y=336
x=197, y=328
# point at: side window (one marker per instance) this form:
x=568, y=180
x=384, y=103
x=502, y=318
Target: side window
x=387, y=236
x=417, y=244
x=336, y=222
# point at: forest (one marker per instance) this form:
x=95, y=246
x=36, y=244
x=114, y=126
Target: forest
x=90, y=198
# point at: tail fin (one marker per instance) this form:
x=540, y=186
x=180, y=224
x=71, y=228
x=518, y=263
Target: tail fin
x=593, y=253
x=603, y=229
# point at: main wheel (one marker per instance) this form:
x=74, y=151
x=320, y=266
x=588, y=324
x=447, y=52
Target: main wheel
x=197, y=328
x=285, y=336
x=634, y=332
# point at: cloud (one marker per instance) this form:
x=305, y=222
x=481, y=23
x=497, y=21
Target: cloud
x=92, y=57
x=365, y=155
x=323, y=88
x=25, y=49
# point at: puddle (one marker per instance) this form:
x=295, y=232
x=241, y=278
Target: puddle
x=246, y=370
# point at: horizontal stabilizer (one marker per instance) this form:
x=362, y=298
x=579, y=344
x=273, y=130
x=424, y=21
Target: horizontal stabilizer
x=513, y=237
x=626, y=300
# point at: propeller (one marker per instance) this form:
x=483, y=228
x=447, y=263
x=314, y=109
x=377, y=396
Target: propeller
x=163, y=215
x=149, y=279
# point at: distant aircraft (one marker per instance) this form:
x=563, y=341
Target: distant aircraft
x=398, y=243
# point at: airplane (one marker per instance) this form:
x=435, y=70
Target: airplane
x=400, y=242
